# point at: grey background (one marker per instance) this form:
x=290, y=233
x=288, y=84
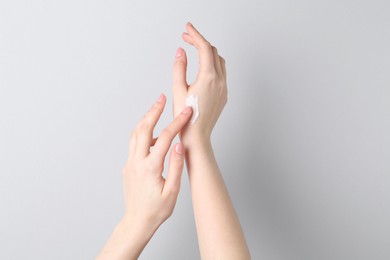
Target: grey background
x=303, y=142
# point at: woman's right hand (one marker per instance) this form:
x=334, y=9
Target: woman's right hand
x=210, y=86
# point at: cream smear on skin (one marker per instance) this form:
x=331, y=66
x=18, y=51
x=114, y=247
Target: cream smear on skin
x=192, y=101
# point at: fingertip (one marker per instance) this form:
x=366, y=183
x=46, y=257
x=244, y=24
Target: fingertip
x=180, y=74
x=161, y=98
x=187, y=110
x=179, y=149
x=192, y=30
x=159, y=104
x=179, y=52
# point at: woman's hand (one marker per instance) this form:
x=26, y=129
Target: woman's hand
x=149, y=197
x=209, y=86
x=218, y=228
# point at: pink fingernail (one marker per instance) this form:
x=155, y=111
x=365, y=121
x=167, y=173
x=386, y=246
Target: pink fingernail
x=187, y=110
x=160, y=98
x=179, y=148
x=179, y=52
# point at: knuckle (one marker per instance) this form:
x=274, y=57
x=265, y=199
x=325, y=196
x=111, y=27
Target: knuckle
x=167, y=132
x=180, y=120
x=155, y=110
x=210, y=77
x=205, y=44
x=179, y=161
x=179, y=63
x=173, y=191
x=144, y=126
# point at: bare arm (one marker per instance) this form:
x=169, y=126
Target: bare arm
x=218, y=228
x=219, y=232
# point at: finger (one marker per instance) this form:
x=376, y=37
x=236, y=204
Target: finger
x=175, y=170
x=188, y=39
x=217, y=61
x=144, y=130
x=193, y=37
x=223, y=64
x=168, y=134
x=132, y=145
x=179, y=75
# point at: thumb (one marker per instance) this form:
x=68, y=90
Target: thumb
x=180, y=76
x=175, y=170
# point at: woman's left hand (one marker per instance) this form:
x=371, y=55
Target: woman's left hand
x=149, y=197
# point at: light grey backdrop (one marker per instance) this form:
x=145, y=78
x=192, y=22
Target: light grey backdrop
x=303, y=142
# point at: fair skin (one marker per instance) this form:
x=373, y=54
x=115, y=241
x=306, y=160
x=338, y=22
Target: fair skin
x=218, y=228
x=149, y=198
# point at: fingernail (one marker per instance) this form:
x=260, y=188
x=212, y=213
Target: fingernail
x=179, y=148
x=179, y=52
x=160, y=98
x=187, y=110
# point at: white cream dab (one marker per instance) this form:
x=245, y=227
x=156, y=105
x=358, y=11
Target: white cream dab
x=192, y=101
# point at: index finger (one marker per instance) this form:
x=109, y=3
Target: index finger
x=206, y=59
x=165, y=139
x=143, y=133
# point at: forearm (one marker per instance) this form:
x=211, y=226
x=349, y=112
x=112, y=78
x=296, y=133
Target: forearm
x=219, y=231
x=126, y=242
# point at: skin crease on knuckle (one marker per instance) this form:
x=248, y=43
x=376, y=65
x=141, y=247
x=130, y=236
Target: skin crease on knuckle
x=145, y=125
x=155, y=110
x=166, y=134
x=205, y=44
x=175, y=127
x=180, y=120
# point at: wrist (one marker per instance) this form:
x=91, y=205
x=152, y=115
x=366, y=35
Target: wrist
x=193, y=138
x=139, y=230
x=127, y=241
x=198, y=148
